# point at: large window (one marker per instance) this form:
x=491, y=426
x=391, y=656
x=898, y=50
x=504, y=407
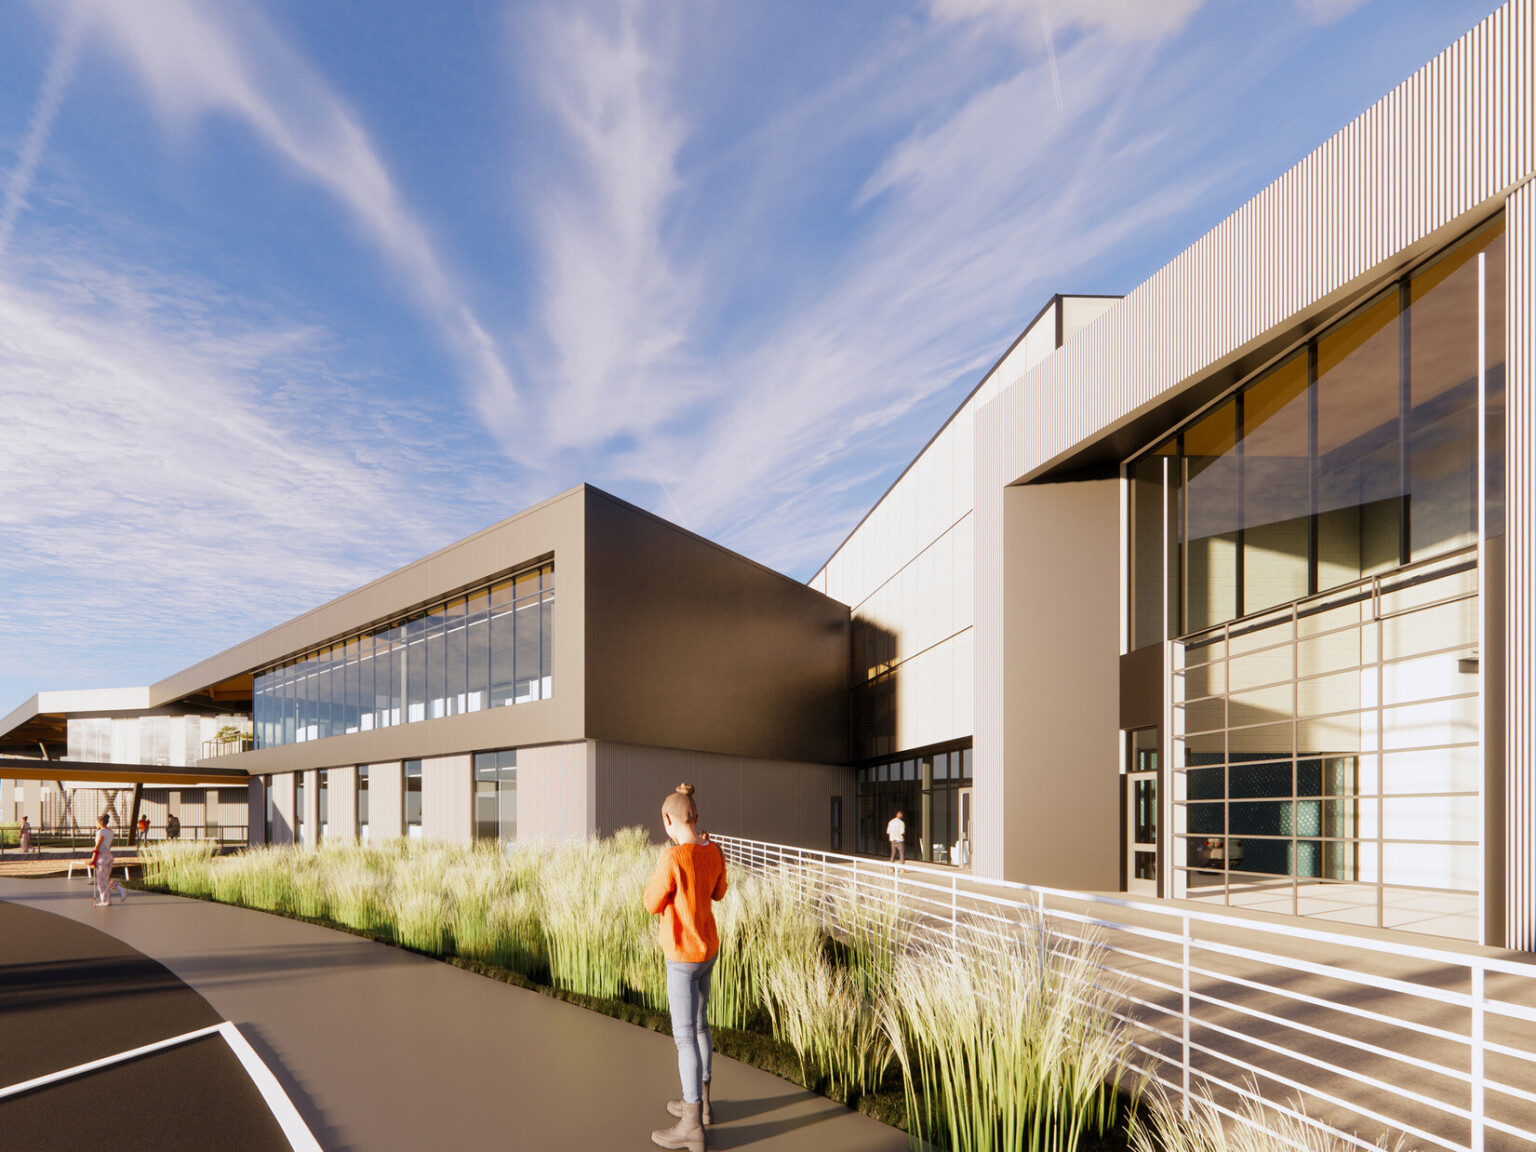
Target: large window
x=1328, y=759
x=489, y=648
x=298, y=808
x=362, y=802
x=412, y=799
x=931, y=791
x=1309, y=547
x=496, y=796
x=1353, y=456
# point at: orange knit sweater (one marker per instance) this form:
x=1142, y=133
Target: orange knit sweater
x=688, y=879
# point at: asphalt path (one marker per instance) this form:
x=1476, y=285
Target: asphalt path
x=71, y=994
x=382, y=1049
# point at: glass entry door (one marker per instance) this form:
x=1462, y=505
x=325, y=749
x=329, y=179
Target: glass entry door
x=1141, y=832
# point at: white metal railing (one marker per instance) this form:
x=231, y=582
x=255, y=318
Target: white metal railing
x=1360, y=1036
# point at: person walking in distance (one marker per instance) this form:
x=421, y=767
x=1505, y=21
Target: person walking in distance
x=689, y=878
x=24, y=837
x=896, y=830
x=101, y=864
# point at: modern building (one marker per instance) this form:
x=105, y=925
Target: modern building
x=1219, y=591
x=552, y=676
x=1230, y=594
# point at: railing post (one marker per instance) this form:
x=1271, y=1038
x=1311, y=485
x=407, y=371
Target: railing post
x=1184, y=974
x=1478, y=976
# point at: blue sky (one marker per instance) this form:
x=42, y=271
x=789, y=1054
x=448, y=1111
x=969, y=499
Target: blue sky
x=294, y=293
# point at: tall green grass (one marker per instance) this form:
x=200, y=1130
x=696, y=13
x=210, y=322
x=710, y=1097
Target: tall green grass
x=1007, y=1039
x=1004, y=1038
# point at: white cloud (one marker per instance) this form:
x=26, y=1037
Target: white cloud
x=1116, y=19
x=197, y=60
x=956, y=224
x=61, y=68
x=178, y=476
x=615, y=307
x=1328, y=11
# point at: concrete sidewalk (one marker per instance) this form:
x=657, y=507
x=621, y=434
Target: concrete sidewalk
x=382, y=1049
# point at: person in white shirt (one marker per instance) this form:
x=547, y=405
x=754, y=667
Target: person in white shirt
x=896, y=830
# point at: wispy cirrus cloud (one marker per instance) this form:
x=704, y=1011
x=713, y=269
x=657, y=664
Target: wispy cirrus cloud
x=952, y=231
x=165, y=490
x=615, y=306
x=200, y=60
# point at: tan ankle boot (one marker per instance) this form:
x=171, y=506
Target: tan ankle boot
x=706, y=1116
x=687, y=1133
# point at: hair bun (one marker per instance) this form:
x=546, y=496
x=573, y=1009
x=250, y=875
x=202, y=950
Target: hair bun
x=685, y=789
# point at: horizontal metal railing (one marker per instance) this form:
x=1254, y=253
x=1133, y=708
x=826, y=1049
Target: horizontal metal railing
x=1359, y=1035
x=212, y=748
x=78, y=838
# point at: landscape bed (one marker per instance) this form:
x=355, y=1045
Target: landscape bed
x=1022, y=1053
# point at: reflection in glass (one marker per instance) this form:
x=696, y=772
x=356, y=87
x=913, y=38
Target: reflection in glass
x=1210, y=518
x=491, y=648
x=412, y=798
x=496, y=796
x=1276, y=486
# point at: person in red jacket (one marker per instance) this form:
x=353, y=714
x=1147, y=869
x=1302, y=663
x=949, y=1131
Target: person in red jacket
x=689, y=878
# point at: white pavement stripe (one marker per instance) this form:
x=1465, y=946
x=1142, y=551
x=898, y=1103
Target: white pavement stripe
x=105, y=1062
x=300, y=1138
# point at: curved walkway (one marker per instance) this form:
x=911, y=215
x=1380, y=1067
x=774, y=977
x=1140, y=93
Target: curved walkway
x=382, y=1049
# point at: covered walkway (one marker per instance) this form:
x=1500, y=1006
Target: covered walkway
x=382, y=1049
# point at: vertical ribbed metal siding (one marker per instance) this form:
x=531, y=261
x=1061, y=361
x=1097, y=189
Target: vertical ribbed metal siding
x=1520, y=573
x=1453, y=136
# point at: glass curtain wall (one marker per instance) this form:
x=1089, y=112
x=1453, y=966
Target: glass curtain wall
x=496, y=796
x=926, y=789
x=1310, y=547
x=1354, y=455
x=489, y=648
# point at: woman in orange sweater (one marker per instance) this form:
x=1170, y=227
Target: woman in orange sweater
x=689, y=877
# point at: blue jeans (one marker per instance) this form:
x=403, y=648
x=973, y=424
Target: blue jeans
x=688, y=997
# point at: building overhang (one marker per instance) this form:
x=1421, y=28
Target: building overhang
x=22, y=768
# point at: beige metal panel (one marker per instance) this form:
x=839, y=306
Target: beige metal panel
x=343, y=803
x=311, y=828
x=1520, y=575
x=386, y=801
x=555, y=792
x=446, y=812
x=553, y=527
x=1061, y=672
x=282, y=809
x=692, y=645
x=779, y=801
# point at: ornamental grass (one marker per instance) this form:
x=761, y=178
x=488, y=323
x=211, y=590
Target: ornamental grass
x=1003, y=1036
x=1251, y=1127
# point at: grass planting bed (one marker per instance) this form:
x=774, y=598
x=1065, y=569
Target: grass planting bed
x=965, y=1048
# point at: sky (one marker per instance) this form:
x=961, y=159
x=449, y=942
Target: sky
x=292, y=294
